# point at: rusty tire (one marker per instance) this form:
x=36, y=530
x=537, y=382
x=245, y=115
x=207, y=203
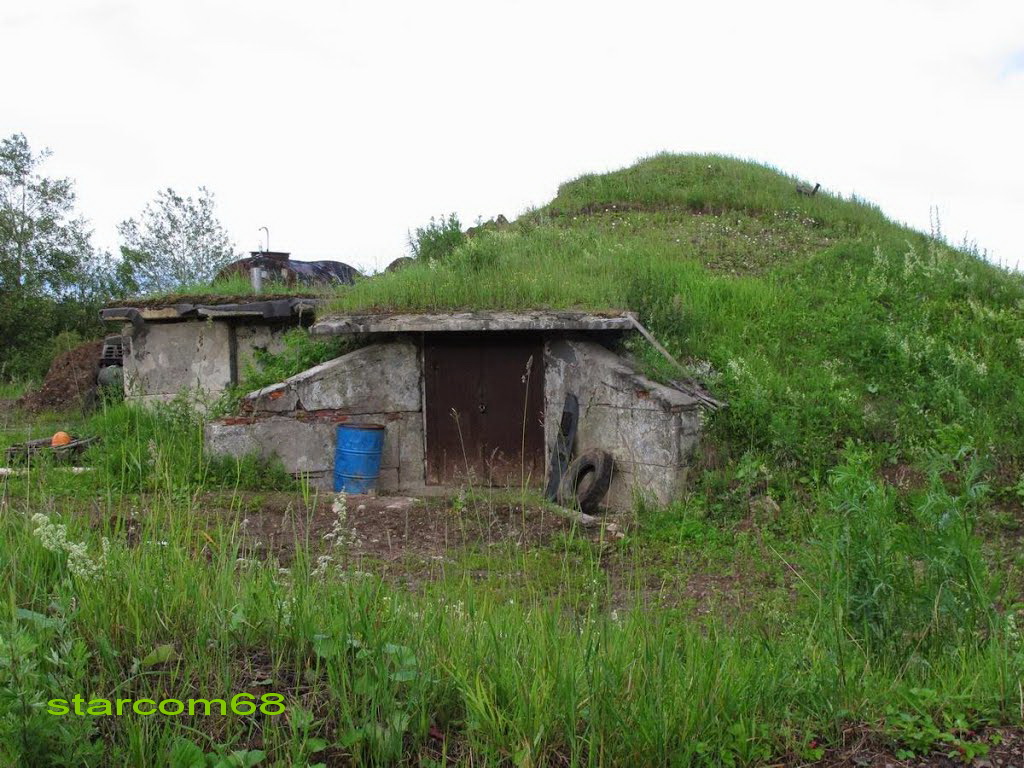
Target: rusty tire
x=585, y=482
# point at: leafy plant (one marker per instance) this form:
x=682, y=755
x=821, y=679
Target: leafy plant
x=300, y=353
x=42, y=659
x=438, y=240
x=175, y=241
x=925, y=725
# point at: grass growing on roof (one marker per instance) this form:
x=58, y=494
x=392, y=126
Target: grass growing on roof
x=797, y=593
x=231, y=289
x=817, y=318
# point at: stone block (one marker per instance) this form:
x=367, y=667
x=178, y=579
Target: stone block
x=166, y=359
x=302, y=446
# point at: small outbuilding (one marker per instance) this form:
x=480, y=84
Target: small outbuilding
x=476, y=398
x=200, y=347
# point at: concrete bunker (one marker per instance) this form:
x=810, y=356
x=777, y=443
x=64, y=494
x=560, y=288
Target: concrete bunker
x=475, y=398
x=200, y=348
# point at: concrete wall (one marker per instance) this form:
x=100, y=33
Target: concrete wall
x=165, y=359
x=650, y=430
x=297, y=419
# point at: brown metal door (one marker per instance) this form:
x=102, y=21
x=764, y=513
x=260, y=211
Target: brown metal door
x=485, y=409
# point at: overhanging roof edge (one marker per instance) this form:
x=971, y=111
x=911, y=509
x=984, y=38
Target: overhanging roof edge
x=442, y=322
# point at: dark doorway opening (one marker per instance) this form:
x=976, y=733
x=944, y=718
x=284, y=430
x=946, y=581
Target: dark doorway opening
x=484, y=400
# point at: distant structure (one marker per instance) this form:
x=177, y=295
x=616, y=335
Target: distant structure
x=277, y=267
x=803, y=189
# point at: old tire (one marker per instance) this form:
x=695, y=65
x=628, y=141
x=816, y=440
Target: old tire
x=585, y=483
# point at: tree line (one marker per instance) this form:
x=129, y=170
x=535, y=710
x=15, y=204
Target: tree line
x=54, y=280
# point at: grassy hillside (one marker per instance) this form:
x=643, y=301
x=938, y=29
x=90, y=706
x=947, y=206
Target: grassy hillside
x=816, y=317
x=842, y=584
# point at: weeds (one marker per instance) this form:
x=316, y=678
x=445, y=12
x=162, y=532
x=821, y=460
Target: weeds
x=844, y=345
x=435, y=242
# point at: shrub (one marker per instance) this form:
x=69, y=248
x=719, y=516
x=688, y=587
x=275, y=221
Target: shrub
x=438, y=239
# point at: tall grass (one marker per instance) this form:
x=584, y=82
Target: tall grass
x=849, y=344
x=382, y=672
x=890, y=601
x=894, y=339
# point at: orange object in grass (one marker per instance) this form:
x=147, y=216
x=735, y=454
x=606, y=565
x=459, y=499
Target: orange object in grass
x=59, y=439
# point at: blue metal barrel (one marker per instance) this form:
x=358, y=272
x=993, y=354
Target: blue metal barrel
x=357, y=457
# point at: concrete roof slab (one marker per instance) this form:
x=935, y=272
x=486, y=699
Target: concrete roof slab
x=441, y=322
x=268, y=310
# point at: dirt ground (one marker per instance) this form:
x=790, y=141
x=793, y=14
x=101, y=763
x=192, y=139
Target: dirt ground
x=863, y=749
x=391, y=528
x=408, y=540
x=385, y=529
x=70, y=382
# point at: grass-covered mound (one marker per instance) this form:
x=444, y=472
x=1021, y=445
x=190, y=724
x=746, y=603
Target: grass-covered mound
x=820, y=319
x=774, y=614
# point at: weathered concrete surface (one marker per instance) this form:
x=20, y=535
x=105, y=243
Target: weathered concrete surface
x=296, y=419
x=540, y=320
x=380, y=378
x=264, y=309
x=168, y=358
x=302, y=446
x=250, y=337
x=650, y=430
x=306, y=446
x=163, y=360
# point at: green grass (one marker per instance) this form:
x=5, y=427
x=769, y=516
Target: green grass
x=12, y=390
x=721, y=630
x=817, y=319
x=548, y=658
x=229, y=289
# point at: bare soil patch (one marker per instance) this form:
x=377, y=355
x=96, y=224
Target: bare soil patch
x=904, y=477
x=864, y=748
x=390, y=529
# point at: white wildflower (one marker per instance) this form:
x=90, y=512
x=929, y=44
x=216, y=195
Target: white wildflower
x=284, y=608
x=458, y=610
x=322, y=564
x=340, y=534
x=54, y=537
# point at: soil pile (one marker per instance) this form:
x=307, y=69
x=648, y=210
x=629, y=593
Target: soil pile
x=70, y=382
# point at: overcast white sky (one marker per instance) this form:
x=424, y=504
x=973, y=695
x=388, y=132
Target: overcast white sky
x=341, y=125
